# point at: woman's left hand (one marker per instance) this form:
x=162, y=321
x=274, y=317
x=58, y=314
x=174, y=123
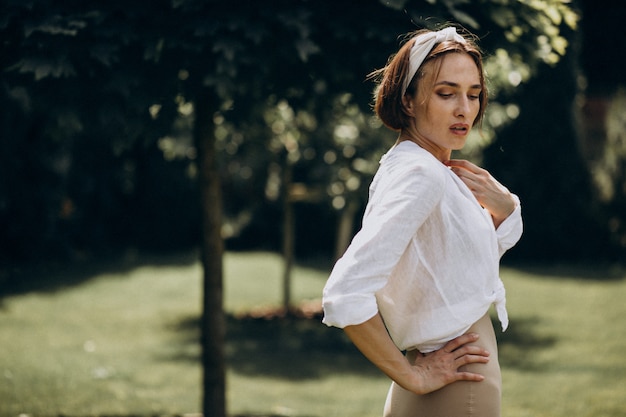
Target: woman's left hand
x=492, y=195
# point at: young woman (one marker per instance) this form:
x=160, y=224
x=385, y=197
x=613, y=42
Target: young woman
x=423, y=271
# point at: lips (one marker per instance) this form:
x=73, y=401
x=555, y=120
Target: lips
x=459, y=129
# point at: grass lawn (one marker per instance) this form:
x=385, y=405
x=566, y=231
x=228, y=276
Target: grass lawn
x=121, y=340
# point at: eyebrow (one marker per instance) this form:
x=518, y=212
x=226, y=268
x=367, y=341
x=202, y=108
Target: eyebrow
x=456, y=85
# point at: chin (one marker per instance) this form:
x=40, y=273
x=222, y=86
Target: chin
x=457, y=146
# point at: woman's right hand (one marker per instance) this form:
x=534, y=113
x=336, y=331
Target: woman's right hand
x=428, y=372
x=437, y=369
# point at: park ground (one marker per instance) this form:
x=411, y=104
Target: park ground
x=121, y=339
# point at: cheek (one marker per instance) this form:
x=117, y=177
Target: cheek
x=421, y=112
x=476, y=109
x=439, y=110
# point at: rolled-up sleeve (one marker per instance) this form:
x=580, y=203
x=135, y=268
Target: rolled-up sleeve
x=510, y=230
x=399, y=203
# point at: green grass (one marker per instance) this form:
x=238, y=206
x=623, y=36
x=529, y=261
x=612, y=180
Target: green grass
x=122, y=340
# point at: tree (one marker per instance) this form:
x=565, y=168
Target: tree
x=604, y=121
x=213, y=321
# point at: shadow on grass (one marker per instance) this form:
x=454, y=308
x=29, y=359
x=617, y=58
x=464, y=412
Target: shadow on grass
x=519, y=344
x=288, y=347
x=585, y=271
x=57, y=276
x=295, y=347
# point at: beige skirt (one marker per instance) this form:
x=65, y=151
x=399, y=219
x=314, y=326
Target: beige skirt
x=461, y=398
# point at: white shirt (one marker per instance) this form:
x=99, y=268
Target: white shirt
x=427, y=255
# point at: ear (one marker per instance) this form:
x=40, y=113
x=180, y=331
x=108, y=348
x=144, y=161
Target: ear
x=408, y=104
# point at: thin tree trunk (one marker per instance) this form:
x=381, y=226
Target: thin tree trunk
x=213, y=322
x=288, y=236
x=345, y=229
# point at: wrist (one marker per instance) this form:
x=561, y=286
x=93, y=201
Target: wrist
x=504, y=213
x=414, y=378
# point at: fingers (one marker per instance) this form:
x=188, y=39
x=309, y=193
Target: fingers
x=464, y=164
x=469, y=376
x=477, y=179
x=444, y=366
x=469, y=355
x=465, y=353
x=489, y=193
x=457, y=342
x=467, y=359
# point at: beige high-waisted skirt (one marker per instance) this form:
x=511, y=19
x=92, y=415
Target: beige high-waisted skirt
x=461, y=398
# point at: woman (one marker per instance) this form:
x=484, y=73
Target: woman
x=422, y=273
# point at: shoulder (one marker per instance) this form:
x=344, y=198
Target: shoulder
x=412, y=163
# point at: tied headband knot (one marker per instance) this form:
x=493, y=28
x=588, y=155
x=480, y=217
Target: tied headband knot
x=424, y=43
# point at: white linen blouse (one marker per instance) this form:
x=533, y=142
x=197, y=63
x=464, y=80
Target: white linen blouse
x=427, y=255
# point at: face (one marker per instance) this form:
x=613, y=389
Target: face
x=442, y=115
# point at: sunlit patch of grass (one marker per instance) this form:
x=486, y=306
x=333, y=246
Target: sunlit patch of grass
x=582, y=370
x=124, y=341
x=100, y=347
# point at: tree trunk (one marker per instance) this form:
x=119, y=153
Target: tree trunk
x=346, y=225
x=288, y=236
x=213, y=323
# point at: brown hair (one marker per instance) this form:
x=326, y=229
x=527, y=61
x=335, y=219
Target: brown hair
x=388, y=94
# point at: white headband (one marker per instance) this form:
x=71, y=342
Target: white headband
x=424, y=43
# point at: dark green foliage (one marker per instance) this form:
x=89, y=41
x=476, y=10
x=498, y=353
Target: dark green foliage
x=82, y=166
x=79, y=80
x=537, y=158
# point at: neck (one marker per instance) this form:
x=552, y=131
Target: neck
x=442, y=154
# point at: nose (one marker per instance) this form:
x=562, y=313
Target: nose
x=462, y=107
